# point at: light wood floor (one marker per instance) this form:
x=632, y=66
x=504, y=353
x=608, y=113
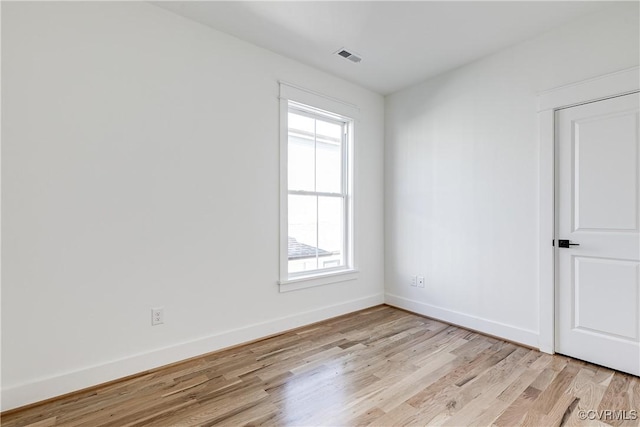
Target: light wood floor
x=380, y=366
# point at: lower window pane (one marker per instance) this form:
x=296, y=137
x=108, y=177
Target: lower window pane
x=330, y=232
x=303, y=233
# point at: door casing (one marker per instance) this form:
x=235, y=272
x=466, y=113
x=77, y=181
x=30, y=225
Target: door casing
x=595, y=89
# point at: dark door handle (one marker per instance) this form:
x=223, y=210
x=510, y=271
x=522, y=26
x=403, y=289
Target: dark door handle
x=566, y=244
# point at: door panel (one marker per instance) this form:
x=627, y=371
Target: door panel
x=606, y=162
x=618, y=298
x=598, y=282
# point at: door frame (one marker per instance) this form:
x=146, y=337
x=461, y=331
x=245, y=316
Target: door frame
x=596, y=89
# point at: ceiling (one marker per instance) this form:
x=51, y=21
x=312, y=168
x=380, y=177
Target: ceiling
x=401, y=43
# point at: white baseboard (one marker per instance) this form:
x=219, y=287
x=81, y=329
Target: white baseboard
x=490, y=327
x=46, y=388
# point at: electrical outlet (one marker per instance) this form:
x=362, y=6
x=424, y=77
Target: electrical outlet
x=414, y=281
x=421, y=282
x=157, y=316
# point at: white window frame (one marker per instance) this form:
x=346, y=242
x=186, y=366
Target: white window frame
x=330, y=109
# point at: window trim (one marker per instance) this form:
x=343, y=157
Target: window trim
x=333, y=110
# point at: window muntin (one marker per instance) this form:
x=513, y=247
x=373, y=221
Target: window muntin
x=317, y=199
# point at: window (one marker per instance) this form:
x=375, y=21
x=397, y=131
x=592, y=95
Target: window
x=317, y=199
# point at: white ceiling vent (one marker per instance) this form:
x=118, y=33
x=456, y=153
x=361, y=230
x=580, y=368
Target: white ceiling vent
x=349, y=55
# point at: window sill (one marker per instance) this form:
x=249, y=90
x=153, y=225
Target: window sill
x=303, y=282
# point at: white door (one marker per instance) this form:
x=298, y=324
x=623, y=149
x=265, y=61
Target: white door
x=597, y=202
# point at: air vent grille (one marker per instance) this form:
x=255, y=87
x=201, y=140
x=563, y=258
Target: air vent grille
x=349, y=55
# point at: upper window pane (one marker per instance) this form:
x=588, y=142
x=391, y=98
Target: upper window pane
x=328, y=157
x=302, y=153
x=301, y=124
x=315, y=154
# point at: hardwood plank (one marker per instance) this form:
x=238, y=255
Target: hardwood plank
x=479, y=394
x=399, y=416
x=515, y=413
x=364, y=419
x=617, y=398
x=44, y=423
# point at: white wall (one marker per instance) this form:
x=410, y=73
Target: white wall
x=139, y=169
x=461, y=175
